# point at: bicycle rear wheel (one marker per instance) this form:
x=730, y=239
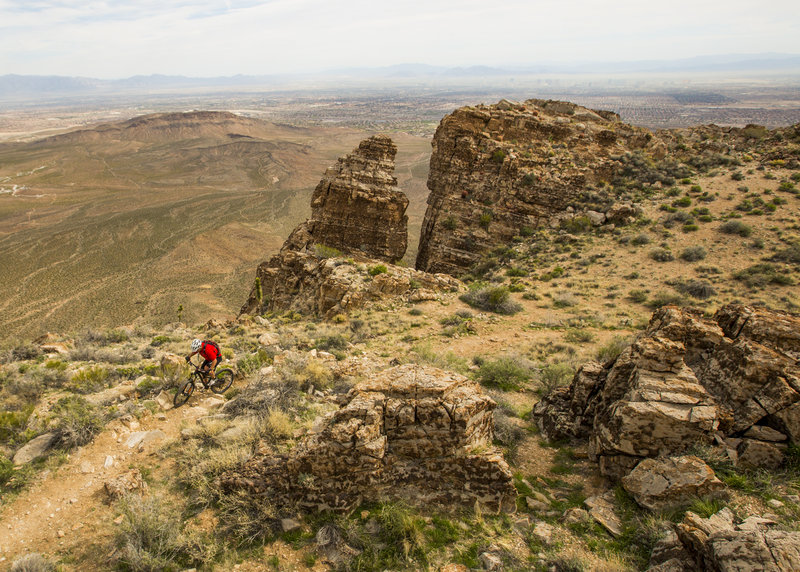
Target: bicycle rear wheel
x=223, y=381
x=184, y=393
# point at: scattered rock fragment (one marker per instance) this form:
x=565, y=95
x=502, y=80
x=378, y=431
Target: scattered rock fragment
x=672, y=482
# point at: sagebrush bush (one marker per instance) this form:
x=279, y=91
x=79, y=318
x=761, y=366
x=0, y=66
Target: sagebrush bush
x=555, y=375
x=33, y=562
x=491, y=298
x=693, y=253
x=662, y=255
x=736, y=227
x=75, y=421
x=611, y=349
x=509, y=373
x=762, y=274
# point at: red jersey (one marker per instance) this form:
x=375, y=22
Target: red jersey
x=209, y=351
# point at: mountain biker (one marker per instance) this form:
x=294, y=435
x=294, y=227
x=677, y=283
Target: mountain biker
x=210, y=352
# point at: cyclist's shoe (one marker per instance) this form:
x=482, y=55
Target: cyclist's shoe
x=211, y=383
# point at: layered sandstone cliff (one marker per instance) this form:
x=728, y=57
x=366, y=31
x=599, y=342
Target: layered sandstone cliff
x=500, y=171
x=328, y=263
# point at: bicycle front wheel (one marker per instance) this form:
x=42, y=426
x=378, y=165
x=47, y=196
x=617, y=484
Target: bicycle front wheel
x=184, y=393
x=223, y=381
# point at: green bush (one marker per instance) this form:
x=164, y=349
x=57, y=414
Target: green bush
x=638, y=296
x=506, y=373
x=251, y=363
x=682, y=202
x=75, y=421
x=662, y=255
x=160, y=340
x=577, y=224
x=323, y=251
x=491, y=298
x=450, y=223
x=555, y=375
x=736, y=227
x=484, y=220
x=498, y=156
x=378, y=269
x=762, y=274
x=666, y=298
x=89, y=379
x=33, y=562
x=640, y=240
x=611, y=349
x=693, y=253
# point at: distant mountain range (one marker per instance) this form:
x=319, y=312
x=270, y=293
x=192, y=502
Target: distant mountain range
x=27, y=86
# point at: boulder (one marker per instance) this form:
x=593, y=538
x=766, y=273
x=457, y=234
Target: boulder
x=34, y=448
x=673, y=482
x=717, y=543
x=414, y=433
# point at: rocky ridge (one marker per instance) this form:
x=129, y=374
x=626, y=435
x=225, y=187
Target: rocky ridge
x=331, y=263
x=500, y=171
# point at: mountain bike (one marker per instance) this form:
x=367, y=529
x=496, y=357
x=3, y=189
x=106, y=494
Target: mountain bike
x=219, y=384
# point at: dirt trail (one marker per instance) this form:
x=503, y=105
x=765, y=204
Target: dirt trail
x=66, y=512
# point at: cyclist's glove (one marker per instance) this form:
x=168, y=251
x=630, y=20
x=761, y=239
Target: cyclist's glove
x=188, y=359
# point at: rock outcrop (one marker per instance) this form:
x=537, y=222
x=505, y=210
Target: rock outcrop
x=500, y=171
x=664, y=484
x=414, y=433
x=718, y=543
x=330, y=263
x=733, y=381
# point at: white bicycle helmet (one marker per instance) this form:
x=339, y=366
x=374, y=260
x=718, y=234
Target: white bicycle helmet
x=196, y=345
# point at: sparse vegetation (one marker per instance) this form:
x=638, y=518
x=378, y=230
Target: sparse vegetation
x=491, y=298
x=736, y=227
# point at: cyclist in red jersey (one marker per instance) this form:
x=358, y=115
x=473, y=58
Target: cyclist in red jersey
x=210, y=352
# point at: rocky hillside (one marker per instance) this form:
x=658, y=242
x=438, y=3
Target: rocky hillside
x=598, y=393
x=501, y=171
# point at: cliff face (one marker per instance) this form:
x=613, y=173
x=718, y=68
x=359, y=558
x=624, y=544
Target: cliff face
x=500, y=171
x=356, y=211
x=356, y=206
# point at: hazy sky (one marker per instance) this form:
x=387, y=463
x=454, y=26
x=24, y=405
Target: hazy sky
x=120, y=38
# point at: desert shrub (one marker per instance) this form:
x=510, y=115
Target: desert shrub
x=682, y=202
x=89, y=379
x=762, y=274
x=75, y=421
x=611, y=349
x=789, y=254
x=637, y=295
x=693, y=253
x=577, y=224
x=507, y=373
x=786, y=186
x=33, y=562
x=690, y=228
x=564, y=300
x=160, y=340
x=498, y=156
x=150, y=537
x=578, y=336
x=737, y=176
x=516, y=271
x=425, y=354
x=323, y=251
x=553, y=376
x=554, y=273
x=378, y=269
x=661, y=255
x=666, y=298
x=12, y=425
x=485, y=219
x=491, y=298
x=247, y=519
x=150, y=386
x=25, y=352
x=332, y=342
x=251, y=363
x=640, y=240
x=696, y=289
x=450, y=223
x=736, y=227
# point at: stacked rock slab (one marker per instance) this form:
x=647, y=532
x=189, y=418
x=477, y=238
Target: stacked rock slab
x=500, y=171
x=357, y=212
x=356, y=207
x=414, y=433
x=686, y=381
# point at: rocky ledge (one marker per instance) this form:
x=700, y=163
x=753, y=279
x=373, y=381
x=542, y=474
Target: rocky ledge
x=414, y=433
x=732, y=381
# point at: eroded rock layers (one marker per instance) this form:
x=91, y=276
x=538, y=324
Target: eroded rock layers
x=357, y=213
x=414, y=433
x=500, y=171
x=733, y=381
x=356, y=206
